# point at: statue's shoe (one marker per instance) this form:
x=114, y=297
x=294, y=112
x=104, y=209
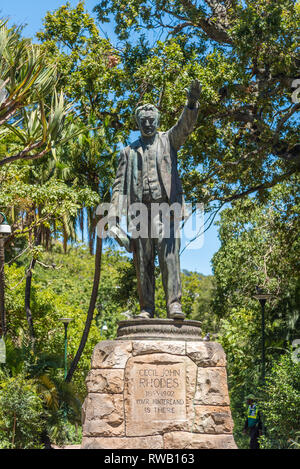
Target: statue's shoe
x=175, y=311
x=144, y=315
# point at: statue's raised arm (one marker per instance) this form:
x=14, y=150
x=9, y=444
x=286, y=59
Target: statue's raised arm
x=188, y=118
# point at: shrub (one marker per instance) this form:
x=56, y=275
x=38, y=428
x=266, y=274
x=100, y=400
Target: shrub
x=22, y=414
x=281, y=404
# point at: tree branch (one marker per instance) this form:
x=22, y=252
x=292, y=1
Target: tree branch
x=286, y=116
x=216, y=26
x=265, y=185
x=23, y=156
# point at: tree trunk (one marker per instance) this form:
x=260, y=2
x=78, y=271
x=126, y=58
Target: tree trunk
x=14, y=430
x=93, y=220
x=48, y=239
x=90, y=313
x=27, y=299
x=81, y=223
x=92, y=238
x=28, y=291
x=65, y=240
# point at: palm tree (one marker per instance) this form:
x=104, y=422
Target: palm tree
x=60, y=400
x=30, y=108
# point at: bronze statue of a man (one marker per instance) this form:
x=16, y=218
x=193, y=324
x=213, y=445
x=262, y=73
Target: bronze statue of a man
x=147, y=173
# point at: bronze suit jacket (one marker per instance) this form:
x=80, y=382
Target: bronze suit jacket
x=129, y=177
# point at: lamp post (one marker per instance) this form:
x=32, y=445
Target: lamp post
x=5, y=230
x=262, y=298
x=66, y=322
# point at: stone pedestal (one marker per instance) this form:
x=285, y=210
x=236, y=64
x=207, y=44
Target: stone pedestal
x=157, y=386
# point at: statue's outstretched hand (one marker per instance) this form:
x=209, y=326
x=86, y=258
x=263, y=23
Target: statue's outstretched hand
x=193, y=93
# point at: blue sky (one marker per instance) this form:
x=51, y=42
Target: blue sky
x=32, y=12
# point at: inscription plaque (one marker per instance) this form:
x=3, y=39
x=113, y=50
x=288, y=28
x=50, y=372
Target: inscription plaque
x=160, y=393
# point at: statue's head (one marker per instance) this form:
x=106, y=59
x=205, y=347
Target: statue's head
x=147, y=117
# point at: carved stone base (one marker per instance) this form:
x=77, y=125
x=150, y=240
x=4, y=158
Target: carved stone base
x=159, y=392
x=156, y=328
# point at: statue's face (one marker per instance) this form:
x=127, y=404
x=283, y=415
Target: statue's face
x=148, y=123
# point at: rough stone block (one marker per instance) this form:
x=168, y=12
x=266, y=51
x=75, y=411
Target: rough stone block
x=106, y=381
x=212, y=419
x=206, y=354
x=143, y=347
x=212, y=387
x=111, y=354
x=103, y=415
x=186, y=440
x=150, y=442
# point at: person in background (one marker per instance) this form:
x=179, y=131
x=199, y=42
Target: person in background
x=253, y=424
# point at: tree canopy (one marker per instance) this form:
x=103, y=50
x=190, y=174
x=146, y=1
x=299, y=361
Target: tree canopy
x=245, y=56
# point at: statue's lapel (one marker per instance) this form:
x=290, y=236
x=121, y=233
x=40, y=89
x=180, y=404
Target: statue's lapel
x=160, y=148
x=136, y=157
